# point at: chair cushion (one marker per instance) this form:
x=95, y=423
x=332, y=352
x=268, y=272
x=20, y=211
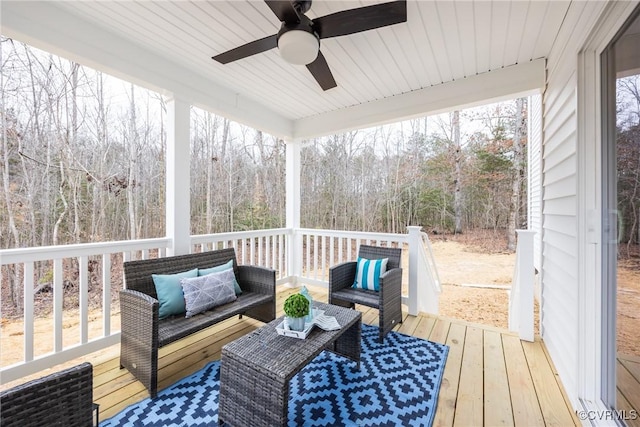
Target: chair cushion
x=169, y=292
x=368, y=272
x=205, y=292
x=223, y=267
x=357, y=296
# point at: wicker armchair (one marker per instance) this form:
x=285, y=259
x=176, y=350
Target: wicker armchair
x=387, y=300
x=63, y=398
x=143, y=333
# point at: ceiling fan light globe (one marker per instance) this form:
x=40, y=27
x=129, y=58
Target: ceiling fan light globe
x=298, y=47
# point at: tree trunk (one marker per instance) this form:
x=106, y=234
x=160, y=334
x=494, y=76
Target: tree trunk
x=229, y=167
x=132, y=167
x=65, y=205
x=211, y=124
x=457, y=195
x=518, y=174
x=99, y=215
x=76, y=183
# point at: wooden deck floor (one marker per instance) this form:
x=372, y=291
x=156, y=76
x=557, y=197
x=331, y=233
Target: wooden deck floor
x=628, y=383
x=491, y=377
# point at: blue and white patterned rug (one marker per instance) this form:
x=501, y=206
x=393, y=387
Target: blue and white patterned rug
x=397, y=385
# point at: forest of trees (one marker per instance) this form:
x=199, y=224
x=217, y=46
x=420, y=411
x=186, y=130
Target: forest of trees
x=386, y=178
x=82, y=160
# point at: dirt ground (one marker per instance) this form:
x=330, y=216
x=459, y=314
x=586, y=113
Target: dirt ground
x=475, y=273
x=628, y=301
x=475, y=282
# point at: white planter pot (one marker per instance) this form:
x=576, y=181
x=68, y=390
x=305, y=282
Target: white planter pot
x=296, y=323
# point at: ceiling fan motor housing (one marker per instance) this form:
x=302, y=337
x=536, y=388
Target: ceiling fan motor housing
x=298, y=43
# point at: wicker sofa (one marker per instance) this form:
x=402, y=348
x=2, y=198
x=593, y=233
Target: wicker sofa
x=64, y=398
x=143, y=333
x=387, y=300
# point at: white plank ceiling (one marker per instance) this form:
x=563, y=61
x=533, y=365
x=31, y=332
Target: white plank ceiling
x=442, y=41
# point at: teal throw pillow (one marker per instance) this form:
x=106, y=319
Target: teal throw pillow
x=218, y=269
x=368, y=272
x=170, y=293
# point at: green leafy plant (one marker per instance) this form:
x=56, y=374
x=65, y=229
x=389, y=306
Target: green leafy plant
x=296, y=305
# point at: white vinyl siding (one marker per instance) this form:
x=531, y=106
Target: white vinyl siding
x=559, y=245
x=560, y=198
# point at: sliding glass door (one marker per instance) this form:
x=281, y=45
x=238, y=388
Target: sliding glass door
x=621, y=219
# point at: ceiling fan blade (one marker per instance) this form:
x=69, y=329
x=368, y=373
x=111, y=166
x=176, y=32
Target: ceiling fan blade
x=284, y=10
x=321, y=72
x=361, y=19
x=248, y=49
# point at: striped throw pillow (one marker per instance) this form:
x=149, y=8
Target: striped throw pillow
x=368, y=272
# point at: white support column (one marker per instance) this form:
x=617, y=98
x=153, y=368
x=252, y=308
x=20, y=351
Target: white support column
x=178, y=207
x=294, y=239
x=414, y=250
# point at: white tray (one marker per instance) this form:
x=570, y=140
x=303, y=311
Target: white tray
x=308, y=326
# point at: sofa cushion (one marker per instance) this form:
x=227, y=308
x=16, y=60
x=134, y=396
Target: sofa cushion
x=223, y=267
x=206, y=292
x=169, y=292
x=174, y=328
x=368, y=272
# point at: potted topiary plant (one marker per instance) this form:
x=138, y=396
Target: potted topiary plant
x=296, y=307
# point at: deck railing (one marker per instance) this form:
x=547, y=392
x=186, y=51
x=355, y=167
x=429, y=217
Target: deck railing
x=266, y=248
x=300, y=255
x=59, y=264
x=322, y=249
x=521, y=316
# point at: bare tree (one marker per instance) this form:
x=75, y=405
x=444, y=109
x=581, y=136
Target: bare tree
x=133, y=159
x=457, y=191
x=628, y=160
x=518, y=173
x=211, y=123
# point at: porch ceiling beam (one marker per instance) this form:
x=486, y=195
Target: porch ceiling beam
x=49, y=27
x=505, y=83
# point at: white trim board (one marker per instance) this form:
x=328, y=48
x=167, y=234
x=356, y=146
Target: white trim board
x=497, y=85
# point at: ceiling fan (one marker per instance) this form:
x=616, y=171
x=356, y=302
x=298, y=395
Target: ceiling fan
x=298, y=40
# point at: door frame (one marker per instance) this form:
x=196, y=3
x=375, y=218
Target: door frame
x=597, y=314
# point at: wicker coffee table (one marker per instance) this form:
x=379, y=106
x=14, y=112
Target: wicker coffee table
x=256, y=369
